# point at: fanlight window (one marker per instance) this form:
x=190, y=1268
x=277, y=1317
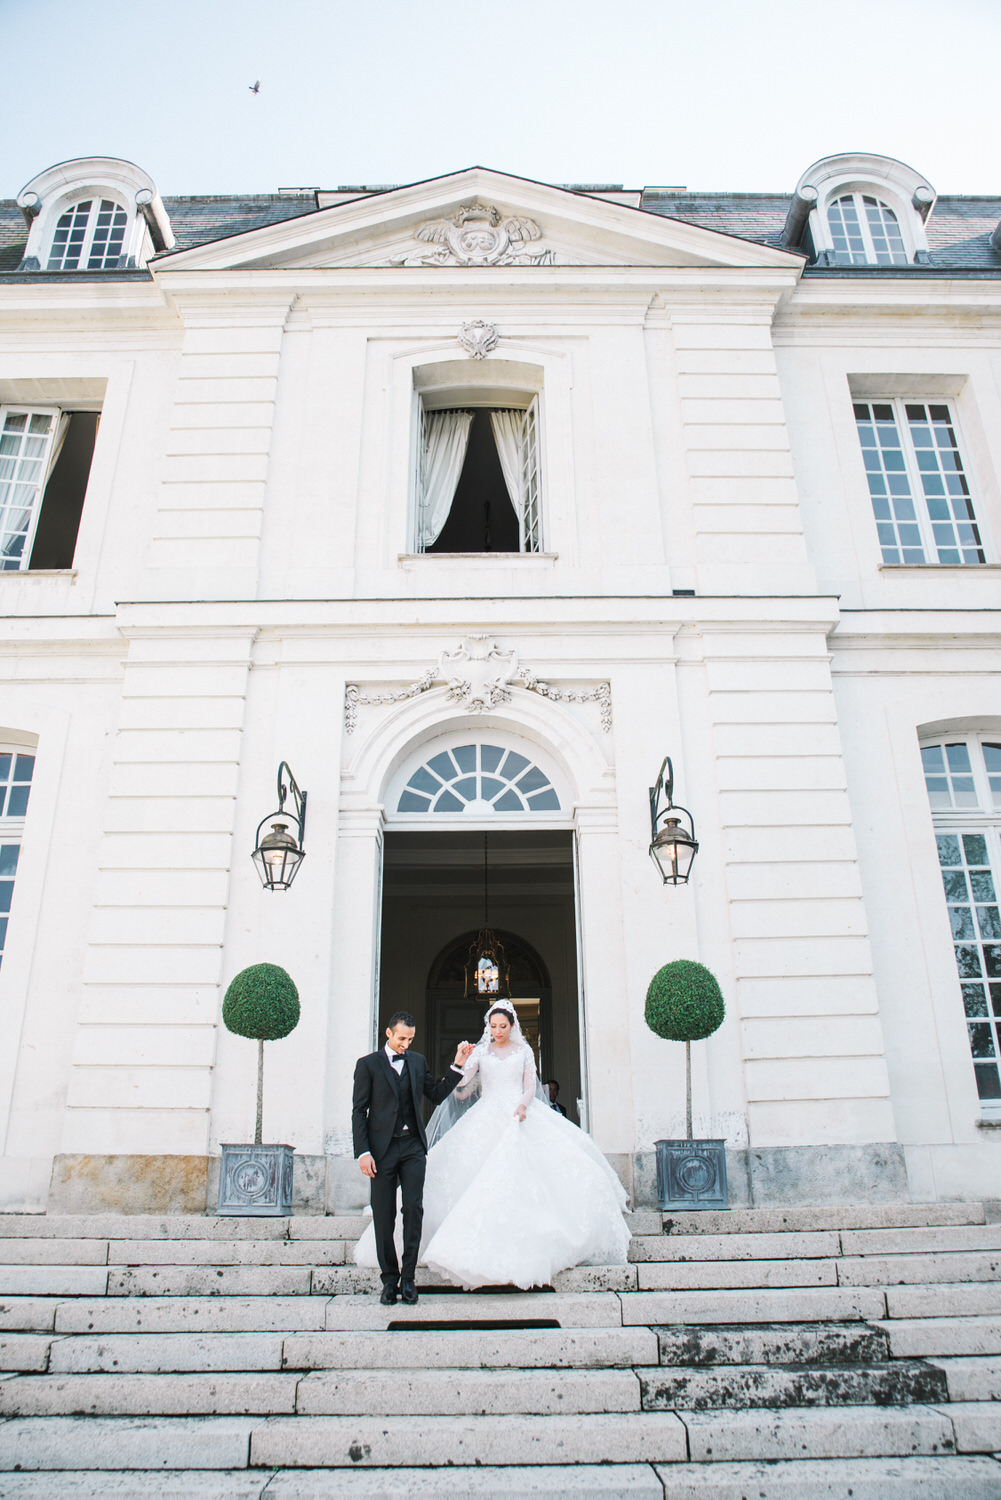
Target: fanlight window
x=479, y=779
x=865, y=232
x=89, y=236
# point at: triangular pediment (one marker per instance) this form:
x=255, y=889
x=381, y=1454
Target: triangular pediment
x=481, y=220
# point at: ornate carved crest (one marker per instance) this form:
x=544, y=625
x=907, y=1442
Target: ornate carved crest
x=478, y=675
x=478, y=338
x=477, y=235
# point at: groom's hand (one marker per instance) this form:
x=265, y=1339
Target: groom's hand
x=367, y=1165
x=462, y=1054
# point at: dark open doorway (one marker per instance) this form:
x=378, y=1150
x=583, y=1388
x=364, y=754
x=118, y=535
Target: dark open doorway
x=431, y=911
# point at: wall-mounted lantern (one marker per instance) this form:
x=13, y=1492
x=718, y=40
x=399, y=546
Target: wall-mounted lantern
x=673, y=847
x=279, y=853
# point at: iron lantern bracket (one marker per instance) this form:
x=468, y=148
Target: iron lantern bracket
x=298, y=817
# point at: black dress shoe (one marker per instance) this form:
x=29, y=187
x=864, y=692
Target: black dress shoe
x=388, y=1298
x=408, y=1293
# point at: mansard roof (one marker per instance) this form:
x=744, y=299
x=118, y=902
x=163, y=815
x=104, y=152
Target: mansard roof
x=959, y=229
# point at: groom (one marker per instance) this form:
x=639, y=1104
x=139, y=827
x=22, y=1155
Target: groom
x=390, y=1140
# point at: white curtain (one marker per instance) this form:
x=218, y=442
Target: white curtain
x=446, y=437
x=509, y=428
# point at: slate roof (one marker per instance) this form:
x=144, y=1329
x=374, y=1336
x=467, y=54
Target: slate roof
x=958, y=229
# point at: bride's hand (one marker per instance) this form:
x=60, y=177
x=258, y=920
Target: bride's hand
x=519, y=1113
x=463, y=1053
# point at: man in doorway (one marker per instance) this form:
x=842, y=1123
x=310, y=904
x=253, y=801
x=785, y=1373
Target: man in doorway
x=390, y=1140
x=553, y=1089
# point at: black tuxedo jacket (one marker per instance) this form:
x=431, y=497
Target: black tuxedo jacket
x=376, y=1098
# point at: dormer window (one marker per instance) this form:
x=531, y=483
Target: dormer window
x=93, y=214
x=865, y=232
x=860, y=210
x=88, y=236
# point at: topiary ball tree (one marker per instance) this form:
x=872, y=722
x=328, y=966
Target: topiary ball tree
x=684, y=1003
x=262, y=1003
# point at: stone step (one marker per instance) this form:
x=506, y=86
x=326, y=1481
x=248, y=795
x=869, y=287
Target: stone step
x=797, y=1479
x=779, y=1343
x=698, y=1275
x=928, y=1338
x=768, y=1305
x=653, y=1437
x=765, y=1246
x=221, y=1252
x=911, y=1241
x=180, y=1227
x=933, y=1478
x=972, y=1478
x=535, y=1348
x=744, y=1387
x=833, y=1216
x=975, y=1377
x=565, y=1310
x=221, y=1393
x=53, y=1281
x=969, y=1299
x=445, y=1392
x=125, y=1443
x=882, y=1270
x=34, y=1314
x=211, y=1281
x=192, y=1315
x=321, y=1393
x=156, y=1353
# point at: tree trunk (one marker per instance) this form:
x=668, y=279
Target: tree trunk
x=688, y=1089
x=260, y=1095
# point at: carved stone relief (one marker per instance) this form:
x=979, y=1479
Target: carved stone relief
x=477, y=677
x=478, y=236
x=478, y=338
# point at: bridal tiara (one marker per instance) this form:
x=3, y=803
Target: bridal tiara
x=505, y=1006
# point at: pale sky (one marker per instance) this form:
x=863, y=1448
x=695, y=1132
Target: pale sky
x=712, y=94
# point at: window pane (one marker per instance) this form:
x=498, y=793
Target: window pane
x=889, y=486
x=976, y=929
x=950, y=507
x=25, y=443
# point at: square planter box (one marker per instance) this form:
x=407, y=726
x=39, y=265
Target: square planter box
x=691, y=1174
x=256, y=1180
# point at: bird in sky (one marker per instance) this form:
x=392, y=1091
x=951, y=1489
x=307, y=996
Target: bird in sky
x=255, y=88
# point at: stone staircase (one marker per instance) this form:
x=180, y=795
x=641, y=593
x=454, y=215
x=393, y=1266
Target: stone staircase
x=763, y=1353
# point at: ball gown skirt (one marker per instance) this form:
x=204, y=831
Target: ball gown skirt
x=511, y=1202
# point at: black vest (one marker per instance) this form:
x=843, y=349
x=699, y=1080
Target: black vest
x=405, y=1115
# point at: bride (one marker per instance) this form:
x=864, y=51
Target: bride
x=514, y=1193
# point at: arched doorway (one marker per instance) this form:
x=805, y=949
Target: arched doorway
x=432, y=907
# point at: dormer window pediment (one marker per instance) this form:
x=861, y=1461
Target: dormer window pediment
x=861, y=210
x=93, y=214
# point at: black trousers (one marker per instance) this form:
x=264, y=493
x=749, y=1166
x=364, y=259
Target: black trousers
x=405, y=1164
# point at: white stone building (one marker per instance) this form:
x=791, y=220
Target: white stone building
x=472, y=500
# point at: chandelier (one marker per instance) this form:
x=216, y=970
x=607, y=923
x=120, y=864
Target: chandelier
x=487, y=971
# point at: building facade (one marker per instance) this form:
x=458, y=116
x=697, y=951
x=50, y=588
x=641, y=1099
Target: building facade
x=471, y=500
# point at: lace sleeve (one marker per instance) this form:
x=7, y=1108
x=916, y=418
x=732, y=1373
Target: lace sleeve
x=469, y=1072
x=529, y=1079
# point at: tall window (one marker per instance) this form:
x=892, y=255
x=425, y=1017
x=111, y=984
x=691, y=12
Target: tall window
x=917, y=483
x=478, y=480
x=963, y=777
x=89, y=236
x=45, y=460
x=865, y=232
x=16, y=770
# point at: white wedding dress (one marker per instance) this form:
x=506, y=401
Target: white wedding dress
x=512, y=1202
